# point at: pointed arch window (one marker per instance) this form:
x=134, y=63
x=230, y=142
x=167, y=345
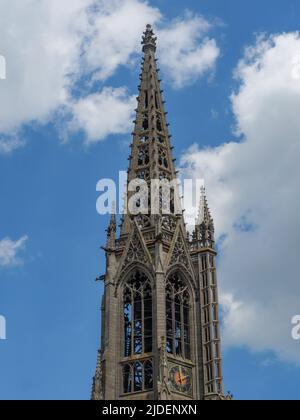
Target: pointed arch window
x=137, y=377
x=163, y=158
x=146, y=100
x=145, y=123
x=178, y=317
x=143, y=156
x=137, y=315
x=137, y=368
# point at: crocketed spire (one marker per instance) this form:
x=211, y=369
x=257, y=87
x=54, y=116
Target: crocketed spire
x=204, y=215
x=149, y=39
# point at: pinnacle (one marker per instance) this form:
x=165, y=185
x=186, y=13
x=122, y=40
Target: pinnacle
x=149, y=39
x=204, y=215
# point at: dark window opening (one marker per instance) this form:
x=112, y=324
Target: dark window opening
x=137, y=316
x=145, y=123
x=158, y=123
x=143, y=156
x=137, y=377
x=178, y=317
x=127, y=379
x=162, y=158
x=128, y=328
x=144, y=174
x=148, y=369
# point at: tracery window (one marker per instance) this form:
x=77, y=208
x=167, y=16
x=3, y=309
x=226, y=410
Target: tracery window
x=178, y=317
x=137, y=315
x=146, y=100
x=137, y=376
x=143, y=156
x=163, y=159
x=137, y=311
x=144, y=174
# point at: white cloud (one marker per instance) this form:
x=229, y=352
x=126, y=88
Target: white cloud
x=116, y=29
x=40, y=41
x=49, y=45
x=253, y=189
x=10, y=250
x=109, y=112
x=187, y=53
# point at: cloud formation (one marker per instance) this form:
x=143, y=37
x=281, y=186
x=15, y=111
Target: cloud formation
x=92, y=115
x=65, y=43
x=10, y=251
x=187, y=52
x=253, y=189
x=115, y=28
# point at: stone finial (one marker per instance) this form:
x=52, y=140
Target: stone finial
x=149, y=39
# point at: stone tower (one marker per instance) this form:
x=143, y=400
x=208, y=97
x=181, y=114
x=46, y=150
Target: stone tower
x=160, y=313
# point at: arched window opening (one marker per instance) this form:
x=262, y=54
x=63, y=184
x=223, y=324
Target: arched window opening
x=148, y=368
x=138, y=336
x=178, y=317
x=127, y=379
x=137, y=315
x=146, y=100
x=145, y=123
x=143, y=156
x=137, y=377
x=163, y=158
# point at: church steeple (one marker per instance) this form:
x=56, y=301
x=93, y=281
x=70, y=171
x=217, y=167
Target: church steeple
x=160, y=328
x=151, y=151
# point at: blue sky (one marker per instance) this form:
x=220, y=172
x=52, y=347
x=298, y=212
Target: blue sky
x=48, y=189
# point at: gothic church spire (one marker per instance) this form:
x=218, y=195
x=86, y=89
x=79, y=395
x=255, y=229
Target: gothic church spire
x=151, y=151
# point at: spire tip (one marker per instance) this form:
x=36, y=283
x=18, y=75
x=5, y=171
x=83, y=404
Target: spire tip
x=149, y=39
